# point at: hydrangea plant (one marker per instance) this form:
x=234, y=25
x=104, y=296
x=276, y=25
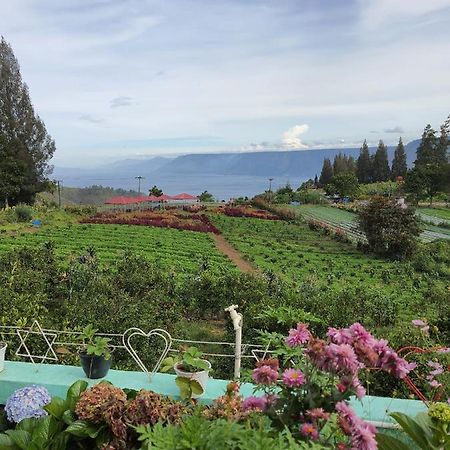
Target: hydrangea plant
x=26, y=403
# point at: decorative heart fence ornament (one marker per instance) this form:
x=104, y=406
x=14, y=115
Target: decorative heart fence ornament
x=162, y=334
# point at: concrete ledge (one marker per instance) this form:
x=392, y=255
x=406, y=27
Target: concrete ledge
x=57, y=379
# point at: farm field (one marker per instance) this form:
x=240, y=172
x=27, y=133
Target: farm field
x=440, y=213
x=346, y=221
x=301, y=255
x=180, y=250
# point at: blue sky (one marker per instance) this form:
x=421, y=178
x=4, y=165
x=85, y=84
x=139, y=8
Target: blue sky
x=119, y=79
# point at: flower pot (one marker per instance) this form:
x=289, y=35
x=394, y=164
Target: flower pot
x=202, y=377
x=3, y=346
x=95, y=366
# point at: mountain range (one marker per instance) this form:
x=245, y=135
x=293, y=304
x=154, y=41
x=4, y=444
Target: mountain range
x=223, y=174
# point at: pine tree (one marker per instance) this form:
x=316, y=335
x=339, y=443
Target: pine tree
x=316, y=181
x=21, y=127
x=381, y=171
x=364, y=165
x=443, y=144
x=426, y=152
x=399, y=166
x=327, y=172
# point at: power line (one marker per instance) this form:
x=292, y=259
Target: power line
x=139, y=178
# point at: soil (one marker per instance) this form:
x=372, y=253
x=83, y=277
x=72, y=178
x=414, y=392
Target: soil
x=227, y=249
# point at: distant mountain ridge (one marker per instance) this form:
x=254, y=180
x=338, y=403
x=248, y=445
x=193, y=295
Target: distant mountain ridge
x=223, y=174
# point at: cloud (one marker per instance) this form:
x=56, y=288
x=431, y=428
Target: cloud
x=117, y=102
x=291, y=137
x=396, y=129
x=89, y=118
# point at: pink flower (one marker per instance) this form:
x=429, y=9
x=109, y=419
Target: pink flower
x=309, y=430
x=271, y=399
x=341, y=358
x=435, y=384
x=264, y=375
x=293, y=378
x=443, y=350
x=317, y=414
x=418, y=323
x=298, y=336
x=254, y=404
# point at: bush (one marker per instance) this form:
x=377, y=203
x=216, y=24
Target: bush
x=390, y=229
x=23, y=213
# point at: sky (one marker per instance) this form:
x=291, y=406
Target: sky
x=116, y=79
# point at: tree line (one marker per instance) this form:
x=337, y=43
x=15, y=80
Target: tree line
x=429, y=175
x=25, y=145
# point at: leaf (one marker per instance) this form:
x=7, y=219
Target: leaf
x=41, y=432
x=412, y=429
x=60, y=442
x=56, y=407
x=74, y=392
x=196, y=387
x=6, y=443
x=27, y=424
x=83, y=429
x=69, y=417
x=386, y=442
x=184, y=386
x=21, y=438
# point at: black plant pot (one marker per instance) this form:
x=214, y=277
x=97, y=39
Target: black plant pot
x=95, y=366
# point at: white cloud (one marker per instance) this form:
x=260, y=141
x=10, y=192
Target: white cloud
x=291, y=138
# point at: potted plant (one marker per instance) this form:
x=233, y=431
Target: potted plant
x=3, y=346
x=192, y=372
x=95, y=355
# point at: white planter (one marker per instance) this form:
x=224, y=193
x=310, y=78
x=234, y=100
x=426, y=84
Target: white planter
x=202, y=377
x=2, y=355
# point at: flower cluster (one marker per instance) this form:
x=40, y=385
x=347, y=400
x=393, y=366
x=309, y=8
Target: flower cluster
x=361, y=433
x=437, y=370
x=422, y=325
x=440, y=411
x=26, y=403
x=298, y=336
x=266, y=372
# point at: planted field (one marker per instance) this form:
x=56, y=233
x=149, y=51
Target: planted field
x=181, y=250
x=346, y=221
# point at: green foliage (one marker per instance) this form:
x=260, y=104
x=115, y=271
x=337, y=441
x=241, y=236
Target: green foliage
x=155, y=191
x=198, y=433
x=428, y=433
x=310, y=197
x=390, y=229
x=380, y=164
x=95, y=345
x=189, y=360
x=327, y=172
x=383, y=188
x=188, y=387
x=206, y=197
x=23, y=213
x=364, y=164
x=344, y=185
x=399, y=165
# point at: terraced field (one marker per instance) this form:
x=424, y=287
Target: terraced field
x=180, y=250
x=346, y=222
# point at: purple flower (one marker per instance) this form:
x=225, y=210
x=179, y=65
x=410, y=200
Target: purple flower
x=418, y=323
x=27, y=402
x=293, y=378
x=298, y=336
x=253, y=403
x=435, y=384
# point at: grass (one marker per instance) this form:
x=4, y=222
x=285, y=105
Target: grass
x=180, y=250
x=440, y=213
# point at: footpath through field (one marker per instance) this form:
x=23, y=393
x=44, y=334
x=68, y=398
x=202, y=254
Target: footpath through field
x=227, y=249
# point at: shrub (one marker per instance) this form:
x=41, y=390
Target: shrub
x=390, y=229
x=23, y=213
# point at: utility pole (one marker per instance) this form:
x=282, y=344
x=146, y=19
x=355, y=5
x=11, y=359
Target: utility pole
x=139, y=178
x=270, y=189
x=58, y=182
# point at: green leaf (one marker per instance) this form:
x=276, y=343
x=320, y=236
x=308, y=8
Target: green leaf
x=27, y=424
x=184, y=386
x=386, y=442
x=6, y=443
x=196, y=387
x=56, y=407
x=84, y=429
x=41, y=432
x=69, y=417
x=21, y=438
x=60, y=442
x=417, y=433
x=74, y=392
x=202, y=364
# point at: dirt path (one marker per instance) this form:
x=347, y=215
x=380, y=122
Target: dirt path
x=227, y=249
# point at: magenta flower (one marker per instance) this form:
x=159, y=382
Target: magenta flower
x=293, y=378
x=317, y=414
x=298, y=336
x=341, y=358
x=309, y=430
x=264, y=375
x=253, y=403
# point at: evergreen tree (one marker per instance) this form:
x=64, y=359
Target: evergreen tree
x=327, y=172
x=399, y=166
x=339, y=164
x=364, y=165
x=443, y=143
x=22, y=128
x=316, y=181
x=380, y=168
x=155, y=191
x=426, y=152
